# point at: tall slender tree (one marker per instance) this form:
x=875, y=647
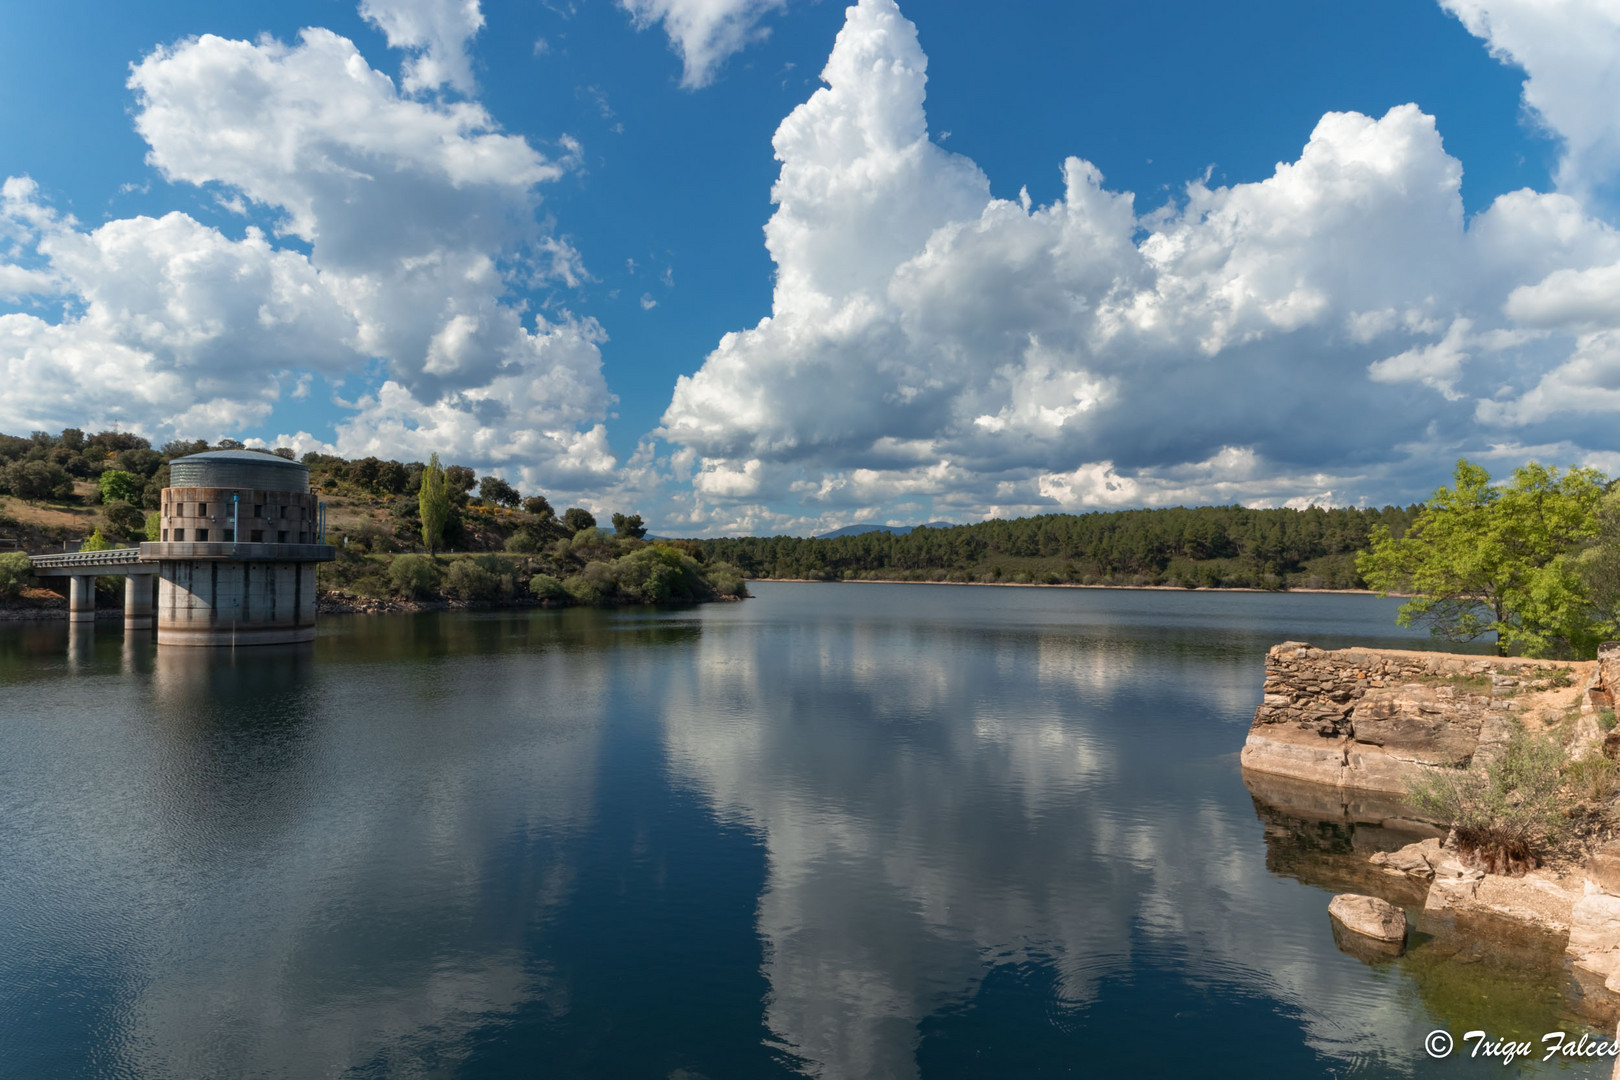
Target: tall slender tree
x=433, y=503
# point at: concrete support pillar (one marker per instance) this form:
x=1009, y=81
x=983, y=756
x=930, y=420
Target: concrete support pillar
x=82, y=598
x=139, y=607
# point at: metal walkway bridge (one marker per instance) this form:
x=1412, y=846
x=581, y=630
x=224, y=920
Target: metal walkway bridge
x=83, y=567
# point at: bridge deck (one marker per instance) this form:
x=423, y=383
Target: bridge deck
x=146, y=558
x=112, y=562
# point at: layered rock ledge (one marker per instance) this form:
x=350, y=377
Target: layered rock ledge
x=1376, y=719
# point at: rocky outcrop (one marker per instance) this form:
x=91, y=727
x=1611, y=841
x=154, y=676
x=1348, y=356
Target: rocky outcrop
x=1414, y=860
x=1594, y=932
x=1377, y=719
x=1544, y=898
x=1369, y=916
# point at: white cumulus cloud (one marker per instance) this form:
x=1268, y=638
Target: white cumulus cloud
x=1570, y=51
x=1255, y=342
x=417, y=222
x=436, y=32
x=704, y=32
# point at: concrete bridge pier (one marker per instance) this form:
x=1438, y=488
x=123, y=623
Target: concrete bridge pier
x=82, y=598
x=140, y=605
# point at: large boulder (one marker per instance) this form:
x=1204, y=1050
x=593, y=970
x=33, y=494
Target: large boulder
x=1369, y=916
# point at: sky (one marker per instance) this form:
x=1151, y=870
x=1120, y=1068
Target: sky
x=764, y=266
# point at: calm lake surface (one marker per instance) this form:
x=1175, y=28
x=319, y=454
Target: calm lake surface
x=835, y=831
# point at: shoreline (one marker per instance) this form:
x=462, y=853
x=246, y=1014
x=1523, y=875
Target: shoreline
x=338, y=603
x=1076, y=585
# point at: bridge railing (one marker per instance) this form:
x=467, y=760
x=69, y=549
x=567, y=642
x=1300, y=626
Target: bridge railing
x=88, y=558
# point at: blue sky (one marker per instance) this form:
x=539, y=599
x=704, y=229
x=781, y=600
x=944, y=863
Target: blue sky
x=310, y=240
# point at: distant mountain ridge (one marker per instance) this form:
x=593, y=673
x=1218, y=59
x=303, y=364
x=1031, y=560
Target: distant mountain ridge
x=867, y=526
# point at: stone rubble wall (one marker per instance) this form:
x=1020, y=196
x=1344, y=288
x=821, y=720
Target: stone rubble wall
x=1376, y=719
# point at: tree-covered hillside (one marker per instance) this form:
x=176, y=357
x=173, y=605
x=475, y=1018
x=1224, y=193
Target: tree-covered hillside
x=505, y=547
x=1208, y=546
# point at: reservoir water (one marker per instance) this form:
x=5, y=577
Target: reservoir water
x=841, y=831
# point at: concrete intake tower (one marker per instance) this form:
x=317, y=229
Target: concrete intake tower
x=241, y=534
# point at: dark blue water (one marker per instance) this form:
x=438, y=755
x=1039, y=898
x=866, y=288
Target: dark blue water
x=836, y=831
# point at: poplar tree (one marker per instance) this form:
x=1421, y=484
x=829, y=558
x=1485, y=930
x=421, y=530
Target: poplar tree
x=434, y=504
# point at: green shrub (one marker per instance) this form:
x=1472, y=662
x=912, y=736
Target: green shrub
x=522, y=542
x=592, y=544
x=1506, y=814
x=467, y=580
x=593, y=585
x=15, y=572
x=414, y=575
x=546, y=587
x=1606, y=719
x=726, y=579
x=655, y=574
x=96, y=542
x=372, y=537
x=1593, y=779
x=153, y=530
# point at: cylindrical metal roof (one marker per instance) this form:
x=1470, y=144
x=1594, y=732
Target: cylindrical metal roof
x=238, y=469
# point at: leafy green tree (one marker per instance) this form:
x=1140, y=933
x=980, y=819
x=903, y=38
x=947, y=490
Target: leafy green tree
x=96, y=542
x=461, y=479
x=154, y=526
x=125, y=520
x=393, y=477
x=36, y=480
x=139, y=460
x=15, y=571
x=433, y=503
x=577, y=519
x=539, y=506
x=492, y=489
x=1599, y=565
x=178, y=448
x=1485, y=559
x=117, y=485
x=631, y=526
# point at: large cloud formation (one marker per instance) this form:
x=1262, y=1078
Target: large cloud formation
x=1334, y=331
x=405, y=227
